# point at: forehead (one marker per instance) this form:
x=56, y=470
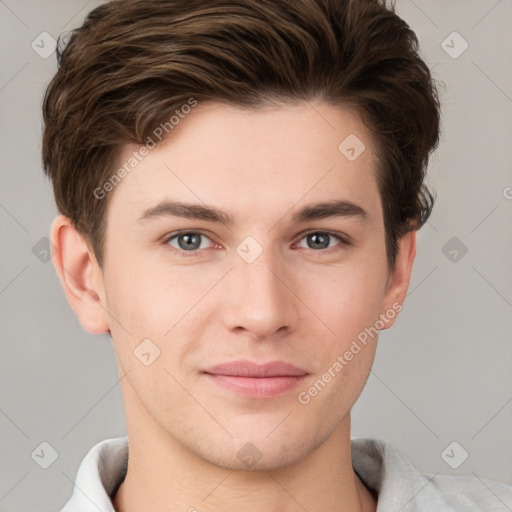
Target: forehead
x=252, y=160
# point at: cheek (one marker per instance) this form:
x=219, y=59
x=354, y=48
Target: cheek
x=347, y=300
x=350, y=310
x=146, y=296
x=153, y=303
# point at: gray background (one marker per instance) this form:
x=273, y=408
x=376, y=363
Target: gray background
x=442, y=374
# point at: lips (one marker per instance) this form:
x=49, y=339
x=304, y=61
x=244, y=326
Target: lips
x=254, y=380
x=250, y=369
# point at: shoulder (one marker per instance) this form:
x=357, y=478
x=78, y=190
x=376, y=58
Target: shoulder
x=401, y=486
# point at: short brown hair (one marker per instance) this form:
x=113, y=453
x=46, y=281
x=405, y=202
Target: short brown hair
x=134, y=62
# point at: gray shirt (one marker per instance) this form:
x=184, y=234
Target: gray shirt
x=377, y=462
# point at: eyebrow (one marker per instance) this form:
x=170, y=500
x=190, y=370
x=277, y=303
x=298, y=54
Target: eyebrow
x=315, y=211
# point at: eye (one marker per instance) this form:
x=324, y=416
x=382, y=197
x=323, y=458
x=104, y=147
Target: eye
x=187, y=242
x=322, y=239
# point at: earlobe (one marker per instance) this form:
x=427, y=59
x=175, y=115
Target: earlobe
x=80, y=275
x=399, y=278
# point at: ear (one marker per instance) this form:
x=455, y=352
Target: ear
x=399, y=278
x=80, y=276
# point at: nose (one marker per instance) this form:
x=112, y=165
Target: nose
x=261, y=300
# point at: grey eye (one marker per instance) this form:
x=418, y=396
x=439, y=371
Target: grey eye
x=187, y=241
x=320, y=239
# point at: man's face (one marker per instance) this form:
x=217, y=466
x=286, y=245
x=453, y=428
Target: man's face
x=265, y=288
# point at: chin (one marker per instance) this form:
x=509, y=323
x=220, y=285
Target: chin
x=258, y=455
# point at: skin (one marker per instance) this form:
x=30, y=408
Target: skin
x=296, y=302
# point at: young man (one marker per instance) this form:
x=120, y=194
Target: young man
x=240, y=183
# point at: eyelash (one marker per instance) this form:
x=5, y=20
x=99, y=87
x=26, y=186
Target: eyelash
x=200, y=252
